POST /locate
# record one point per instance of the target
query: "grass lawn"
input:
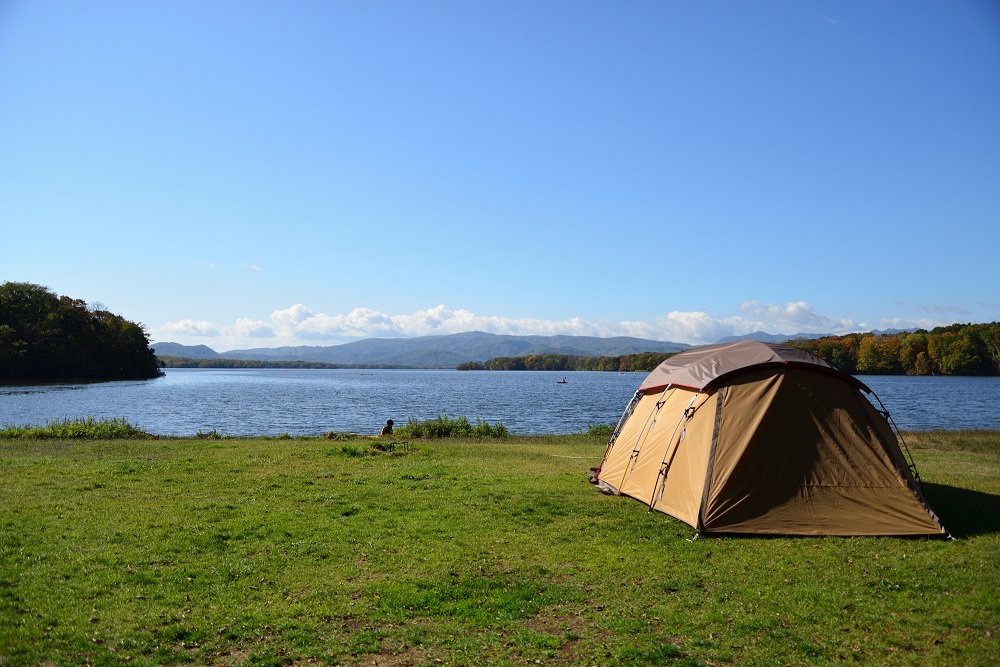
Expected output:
(462, 552)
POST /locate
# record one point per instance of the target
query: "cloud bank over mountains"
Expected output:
(298, 325)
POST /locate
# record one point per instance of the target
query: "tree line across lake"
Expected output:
(167, 361)
(45, 336)
(958, 349)
(645, 361)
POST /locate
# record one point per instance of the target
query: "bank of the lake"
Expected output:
(311, 402)
(271, 552)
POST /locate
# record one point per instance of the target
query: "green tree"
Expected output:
(46, 336)
(506, 364)
(964, 356)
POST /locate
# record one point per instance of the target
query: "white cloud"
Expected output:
(905, 323)
(359, 323)
(285, 321)
(301, 322)
(191, 328)
(299, 325)
(696, 326)
(247, 328)
(790, 318)
(252, 267)
(441, 320)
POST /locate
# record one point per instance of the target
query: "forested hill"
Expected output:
(44, 336)
(432, 351)
(957, 349)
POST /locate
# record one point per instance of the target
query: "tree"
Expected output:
(913, 354)
(46, 336)
(877, 355)
(957, 349)
(831, 350)
(963, 356)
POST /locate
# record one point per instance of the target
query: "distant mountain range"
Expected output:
(782, 338)
(452, 350)
(432, 351)
(769, 338)
(186, 351)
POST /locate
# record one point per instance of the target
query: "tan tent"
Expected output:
(751, 437)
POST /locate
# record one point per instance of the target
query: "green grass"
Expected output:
(475, 552)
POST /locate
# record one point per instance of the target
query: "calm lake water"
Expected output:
(311, 402)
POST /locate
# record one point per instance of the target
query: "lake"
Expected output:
(311, 402)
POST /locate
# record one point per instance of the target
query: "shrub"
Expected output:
(601, 430)
(343, 437)
(442, 427)
(89, 428)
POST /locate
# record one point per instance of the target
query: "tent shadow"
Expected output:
(963, 512)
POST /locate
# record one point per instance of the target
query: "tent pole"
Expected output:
(618, 429)
(899, 436)
(911, 464)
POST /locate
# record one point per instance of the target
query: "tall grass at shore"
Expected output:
(460, 427)
(275, 551)
(87, 427)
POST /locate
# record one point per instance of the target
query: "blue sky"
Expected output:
(254, 174)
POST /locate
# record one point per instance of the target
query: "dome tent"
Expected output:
(758, 438)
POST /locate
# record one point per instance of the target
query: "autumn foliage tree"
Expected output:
(957, 349)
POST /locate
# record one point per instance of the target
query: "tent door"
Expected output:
(661, 477)
(640, 439)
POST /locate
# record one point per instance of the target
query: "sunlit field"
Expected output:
(459, 551)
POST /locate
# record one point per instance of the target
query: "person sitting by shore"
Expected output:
(387, 429)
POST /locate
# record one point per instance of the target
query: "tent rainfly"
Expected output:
(757, 438)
